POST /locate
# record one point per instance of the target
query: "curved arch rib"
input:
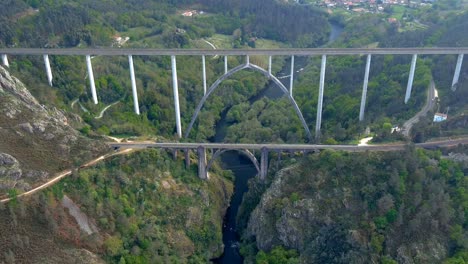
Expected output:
(246, 152)
(256, 68)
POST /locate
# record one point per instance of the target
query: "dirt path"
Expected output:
(212, 45)
(74, 102)
(104, 110)
(364, 141)
(63, 174)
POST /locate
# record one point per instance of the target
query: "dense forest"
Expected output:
(361, 208)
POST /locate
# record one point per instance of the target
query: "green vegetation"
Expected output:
(337, 207)
(147, 208)
(151, 208)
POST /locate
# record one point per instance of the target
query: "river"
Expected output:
(242, 167)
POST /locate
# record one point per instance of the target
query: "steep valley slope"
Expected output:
(334, 207)
(36, 141)
(142, 207)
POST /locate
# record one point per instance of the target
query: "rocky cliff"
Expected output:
(404, 207)
(35, 140)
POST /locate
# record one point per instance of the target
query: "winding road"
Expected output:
(104, 110)
(427, 107)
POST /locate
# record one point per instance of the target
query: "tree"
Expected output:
(113, 245)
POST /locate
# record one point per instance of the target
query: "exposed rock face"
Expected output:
(10, 171)
(320, 211)
(36, 140)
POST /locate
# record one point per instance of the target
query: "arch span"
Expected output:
(256, 68)
(245, 152)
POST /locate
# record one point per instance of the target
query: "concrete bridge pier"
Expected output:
(48, 70)
(320, 97)
(204, 74)
(247, 60)
(176, 95)
(264, 163)
(269, 65)
(456, 75)
(410, 78)
(225, 65)
(187, 158)
(278, 161)
(291, 79)
(91, 78)
(5, 60)
(364, 88)
(174, 154)
(202, 172)
(134, 89)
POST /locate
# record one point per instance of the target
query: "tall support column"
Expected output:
(291, 79)
(202, 173)
(364, 88)
(225, 65)
(264, 163)
(91, 79)
(176, 95)
(456, 75)
(247, 59)
(269, 65)
(187, 158)
(134, 89)
(410, 78)
(5, 60)
(204, 74)
(48, 70)
(320, 97)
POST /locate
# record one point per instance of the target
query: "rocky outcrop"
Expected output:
(356, 208)
(36, 139)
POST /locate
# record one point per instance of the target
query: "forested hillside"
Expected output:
(140, 208)
(334, 207)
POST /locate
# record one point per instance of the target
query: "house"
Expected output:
(439, 117)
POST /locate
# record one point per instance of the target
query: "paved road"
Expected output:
(286, 147)
(308, 52)
(427, 107)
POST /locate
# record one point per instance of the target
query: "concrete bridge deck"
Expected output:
(233, 52)
(288, 147)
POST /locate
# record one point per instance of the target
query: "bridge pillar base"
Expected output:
(264, 163)
(174, 154)
(202, 172)
(5, 60)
